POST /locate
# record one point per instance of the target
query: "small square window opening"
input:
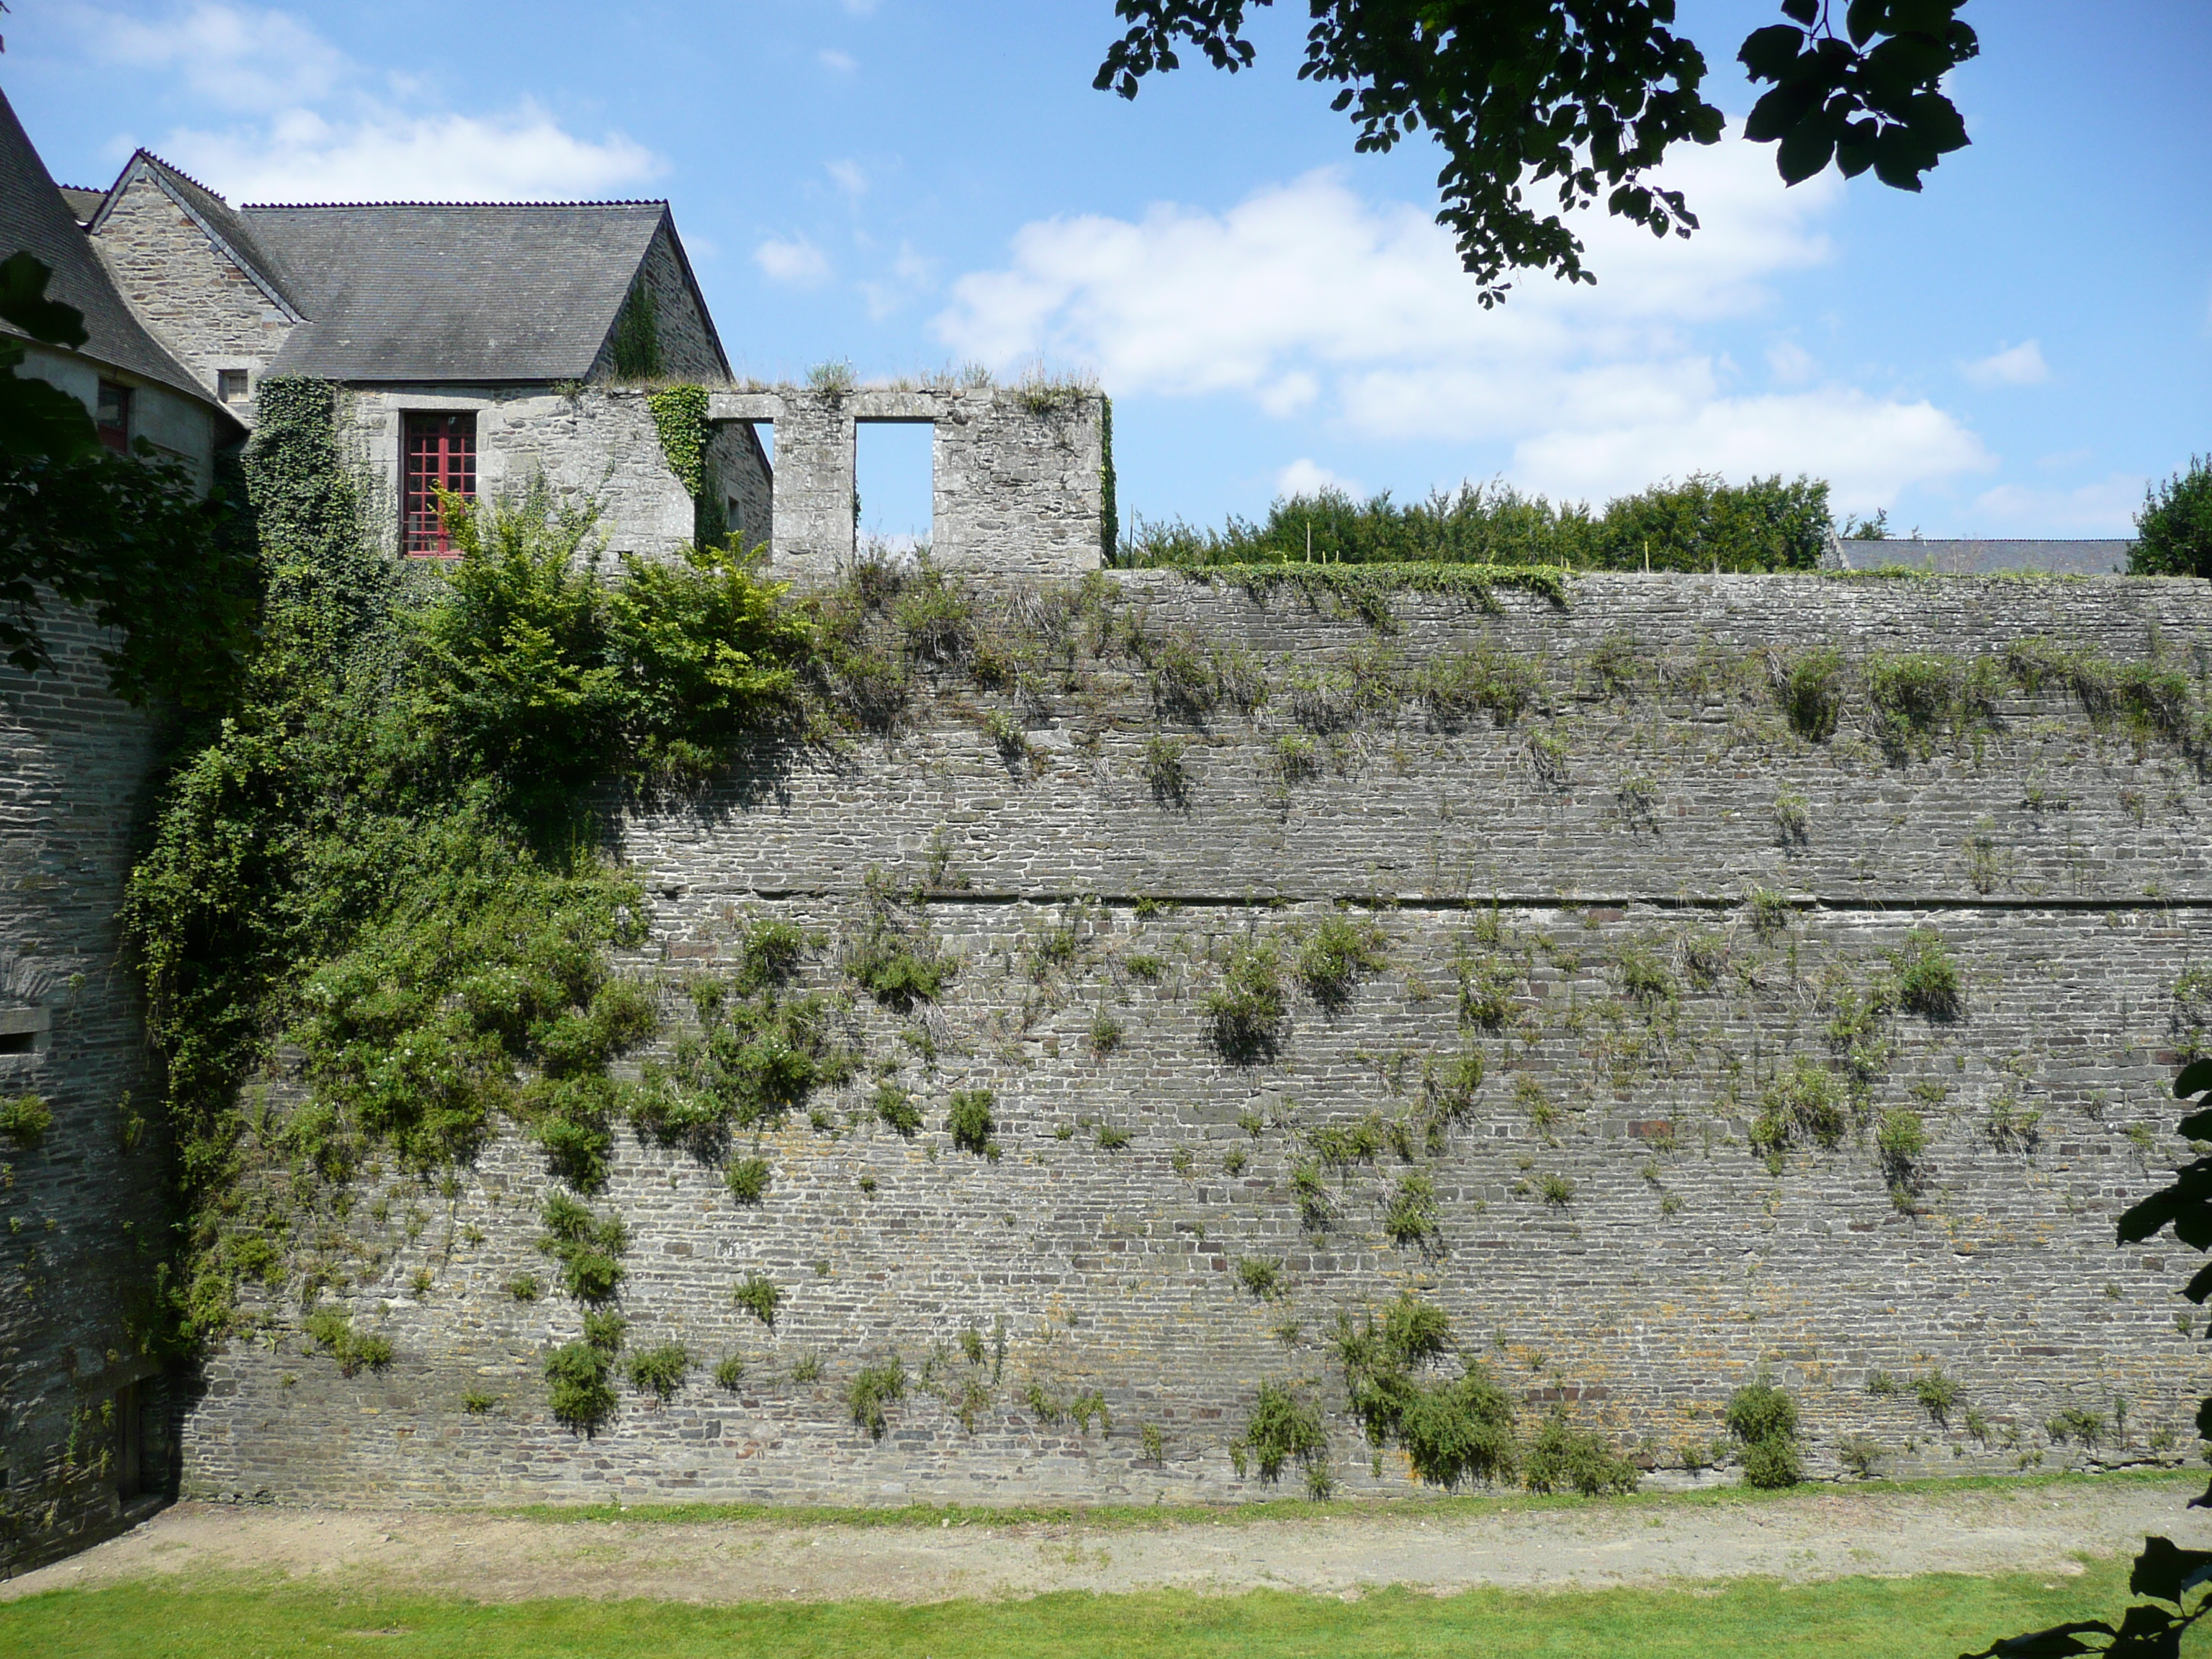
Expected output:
(112, 416)
(230, 385)
(438, 452)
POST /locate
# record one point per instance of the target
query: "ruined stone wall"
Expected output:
(197, 302)
(1574, 893)
(596, 444)
(82, 1212)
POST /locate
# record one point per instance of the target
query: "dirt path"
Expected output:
(1815, 1534)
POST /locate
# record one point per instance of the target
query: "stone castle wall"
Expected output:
(82, 1207)
(1605, 1237)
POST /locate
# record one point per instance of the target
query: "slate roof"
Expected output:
(467, 291)
(83, 202)
(1987, 558)
(34, 218)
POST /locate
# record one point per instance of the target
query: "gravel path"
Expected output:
(1822, 1534)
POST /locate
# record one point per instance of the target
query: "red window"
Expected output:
(113, 417)
(438, 452)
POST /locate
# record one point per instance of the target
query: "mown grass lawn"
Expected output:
(1936, 1614)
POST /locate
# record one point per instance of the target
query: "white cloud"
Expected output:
(848, 177)
(1305, 293)
(1308, 478)
(793, 261)
(1790, 363)
(234, 56)
(837, 62)
(2106, 507)
(313, 125)
(300, 156)
(2019, 365)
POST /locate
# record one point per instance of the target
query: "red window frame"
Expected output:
(112, 416)
(437, 452)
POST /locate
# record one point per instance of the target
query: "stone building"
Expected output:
(468, 333)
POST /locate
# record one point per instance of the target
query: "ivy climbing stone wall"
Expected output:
(1677, 906)
(80, 1179)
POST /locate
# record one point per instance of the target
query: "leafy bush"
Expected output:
(1806, 1099)
(1410, 1219)
(748, 1179)
(25, 1119)
(970, 1122)
(577, 1390)
(1452, 1429)
(1812, 694)
(1262, 1277)
(758, 1057)
(1337, 954)
(1165, 768)
(1644, 978)
(332, 1330)
(1902, 1138)
(729, 1372)
(1698, 524)
(660, 1371)
(1486, 984)
(2173, 531)
(1928, 982)
(874, 1388)
(588, 1248)
(759, 1297)
(1247, 1009)
(1563, 1458)
(1500, 683)
(900, 967)
(1764, 1421)
(896, 1109)
(1939, 1396)
(1282, 1427)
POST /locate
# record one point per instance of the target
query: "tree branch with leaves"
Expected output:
(1583, 99)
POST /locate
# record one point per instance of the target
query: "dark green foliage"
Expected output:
(755, 1059)
(1765, 525)
(577, 1389)
(25, 1119)
(589, 1248)
(1915, 696)
(660, 1371)
(748, 1179)
(1812, 693)
(2174, 532)
(758, 1297)
(635, 348)
(126, 538)
(371, 859)
(1282, 1427)
(769, 954)
(1109, 509)
(970, 1123)
(1764, 1421)
(1247, 1009)
(1450, 1429)
(1563, 1458)
(2077, 1424)
(1166, 771)
(1337, 954)
(1592, 97)
(1486, 984)
(874, 1388)
(1644, 978)
(1316, 1209)
(729, 1372)
(1928, 982)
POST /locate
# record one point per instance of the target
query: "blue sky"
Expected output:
(910, 184)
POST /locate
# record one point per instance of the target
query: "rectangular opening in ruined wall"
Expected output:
(19, 1030)
(894, 486)
(747, 512)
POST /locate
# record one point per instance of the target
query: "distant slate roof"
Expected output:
(1988, 558)
(413, 291)
(35, 219)
(83, 202)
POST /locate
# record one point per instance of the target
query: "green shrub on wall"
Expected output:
(374, 860)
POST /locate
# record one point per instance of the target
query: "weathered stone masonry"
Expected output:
(2065, 865)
